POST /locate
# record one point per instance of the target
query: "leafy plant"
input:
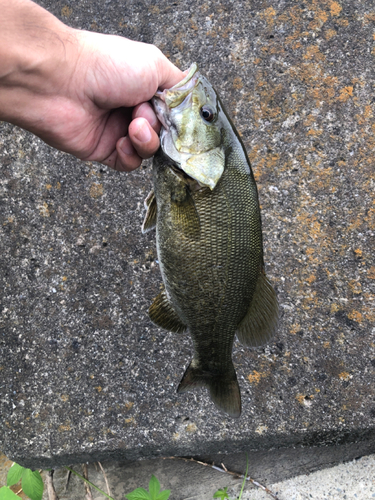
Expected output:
(222, 494)
(7, 494)
(154, 492)
(32, 486)
(31, 482)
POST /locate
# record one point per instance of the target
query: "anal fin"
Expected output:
(260, 322)
(161, 313)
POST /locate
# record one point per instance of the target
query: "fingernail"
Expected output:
(143, 134)
(126, 146)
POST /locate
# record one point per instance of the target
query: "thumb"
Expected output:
(168, 73)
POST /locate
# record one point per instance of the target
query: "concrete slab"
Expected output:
(351, 481)
(190, 481)
(85, 376)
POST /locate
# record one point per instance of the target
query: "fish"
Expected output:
(204, 206)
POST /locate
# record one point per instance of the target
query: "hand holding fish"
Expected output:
(83, 93)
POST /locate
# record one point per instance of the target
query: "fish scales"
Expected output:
(205, 207)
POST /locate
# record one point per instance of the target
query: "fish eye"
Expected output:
(207, 113)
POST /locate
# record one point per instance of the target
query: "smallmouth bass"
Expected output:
(204, 205)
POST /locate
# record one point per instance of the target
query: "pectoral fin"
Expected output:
(185, 217)
(161, 313)
(150, 218)
(260, 322)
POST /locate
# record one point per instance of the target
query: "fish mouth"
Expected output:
(167, 99)
(205, 166)
(174, 96)
(189, 75)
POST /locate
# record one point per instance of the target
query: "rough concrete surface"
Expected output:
(84, 373)
(354, 480)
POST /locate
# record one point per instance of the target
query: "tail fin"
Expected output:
(224, 389)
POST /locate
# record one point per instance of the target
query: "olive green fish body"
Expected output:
(209, 244)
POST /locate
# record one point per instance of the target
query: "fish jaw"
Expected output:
(165, 100)
(194, 146)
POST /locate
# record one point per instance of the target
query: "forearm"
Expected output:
(35, 50)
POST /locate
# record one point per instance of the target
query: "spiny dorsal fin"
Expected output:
(150, 217)
(161, 313)
(224, 389)
(185, 217)
(260, 322)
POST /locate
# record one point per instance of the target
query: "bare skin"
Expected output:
(81, 92)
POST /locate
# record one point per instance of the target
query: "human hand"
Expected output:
(110, 120)
(83, 93)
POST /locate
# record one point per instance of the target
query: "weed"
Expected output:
(31, 481)
(153, 492)
(32, 486)
(223, 495)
